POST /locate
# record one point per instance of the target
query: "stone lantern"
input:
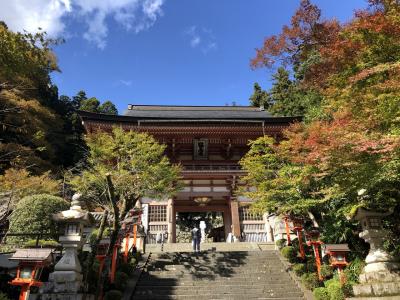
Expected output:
(380, 277)
(66, 280)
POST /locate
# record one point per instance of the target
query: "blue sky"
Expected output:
(191, 52)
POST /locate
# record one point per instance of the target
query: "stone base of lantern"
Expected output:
(379, 284)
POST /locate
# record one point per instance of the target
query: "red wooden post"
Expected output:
(317, 260)
(301, 246)
(287, 230)
(24, 292)
(315, 243)
(134, 234)
(126, 250)
(114, 262)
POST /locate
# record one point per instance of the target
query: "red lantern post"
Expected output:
(101, 253)
(31, 264)
(337, 258)
(314, 241)
(298, 227)
(114, 260)
(287, 227)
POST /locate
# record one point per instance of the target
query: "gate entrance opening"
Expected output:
(213, 222)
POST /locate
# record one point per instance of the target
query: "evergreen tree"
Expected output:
(259, 97)
(78, 99)
(108, 108)
(286, 100)
(91, 105)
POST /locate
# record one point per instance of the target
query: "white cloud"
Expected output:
(125, 82)
(50, 15)
(201, 38)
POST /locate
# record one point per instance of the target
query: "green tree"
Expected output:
(78, 99)
(108, 108)
(259, 97)
(16, 184)
(285, 98)
(33, 214)
(123, 166)
(91, 105)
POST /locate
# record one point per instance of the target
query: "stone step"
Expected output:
(214, 296)
(214, 281)
(217, 275)
(166, 290)
(187, 247)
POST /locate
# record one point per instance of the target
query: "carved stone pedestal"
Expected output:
(380, 278)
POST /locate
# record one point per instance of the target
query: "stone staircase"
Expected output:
(187, 247)
(216, 275)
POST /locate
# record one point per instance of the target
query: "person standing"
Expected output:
(196, 238)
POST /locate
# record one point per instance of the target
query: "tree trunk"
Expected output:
(312, 217)
(93, 254)
(114, 234)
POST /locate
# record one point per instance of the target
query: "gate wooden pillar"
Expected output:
(171, 218)
(235, 217)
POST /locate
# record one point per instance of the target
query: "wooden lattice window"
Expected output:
(157, 213)
(245, 214)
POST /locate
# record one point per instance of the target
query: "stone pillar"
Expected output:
(171, 220)
(235, 218)
(267, 228)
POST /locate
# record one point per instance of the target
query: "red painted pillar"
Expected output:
(114, 263)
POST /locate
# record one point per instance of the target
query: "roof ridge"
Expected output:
(192, 108)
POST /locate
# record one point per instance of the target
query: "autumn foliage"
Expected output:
(351, 140)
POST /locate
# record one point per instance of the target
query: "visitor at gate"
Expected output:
(196, 238)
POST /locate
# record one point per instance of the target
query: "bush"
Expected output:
(353, 270)
(113, 295)
(3, 297)
(121, 280)
(334, 289)
(289, 253)
(127, 268)
(34, 214)
(326, 271)
(310, 280)
(321, 293)
(280, 243)
(42, 243)
(310, 265)
(299, 269)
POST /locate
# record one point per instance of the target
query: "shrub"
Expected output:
(113, 295)
(42, 243)
(280, 243)
(34, 214)
(121, 280)
(299, 269)
(3, 297)
(127, 268)
(289, 253)
(321, 293)
(334, 289)
(310, 265)
(310, 280)
(353, 270)
(326, 271)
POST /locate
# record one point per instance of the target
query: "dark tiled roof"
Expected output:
(34, 254)
(196, 112)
